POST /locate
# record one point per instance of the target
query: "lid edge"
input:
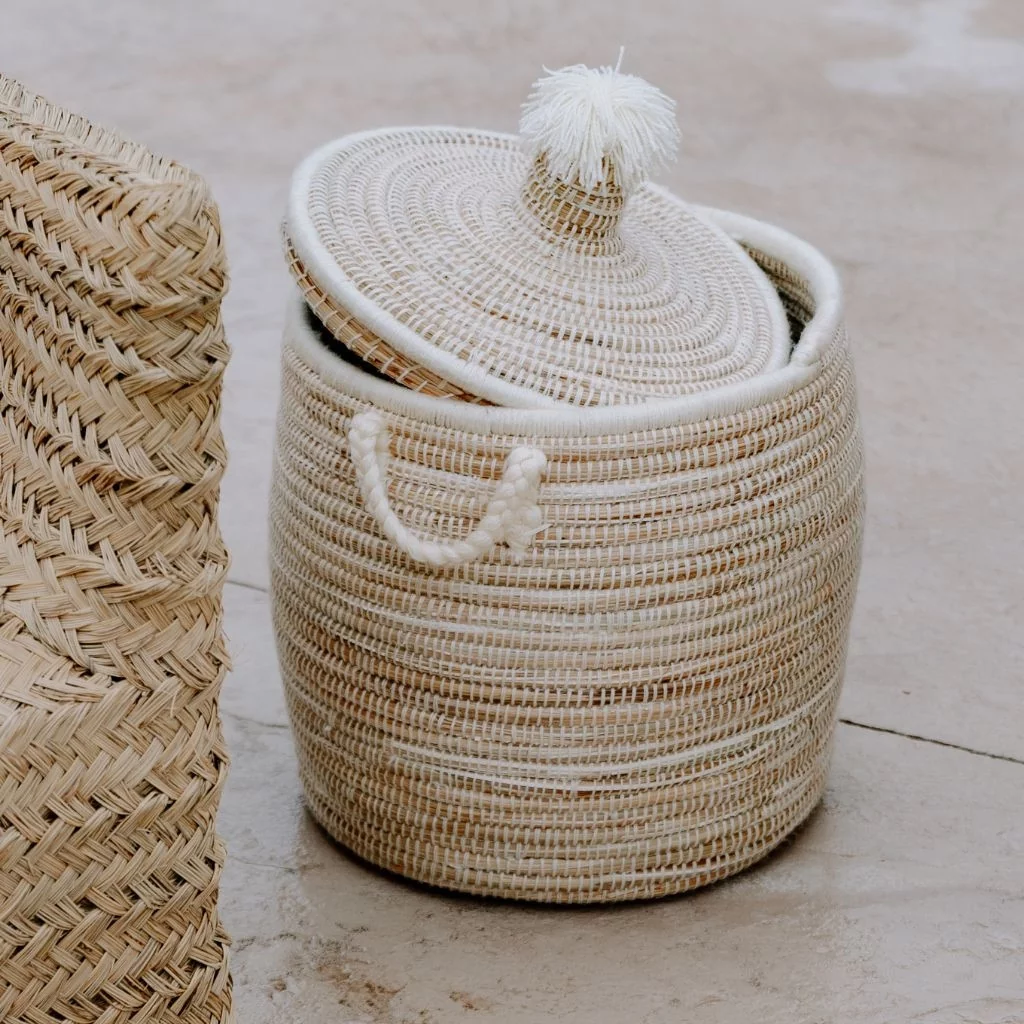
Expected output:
(404, 340)
(321, 266)
(569, 420)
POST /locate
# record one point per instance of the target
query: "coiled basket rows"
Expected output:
(569, 655)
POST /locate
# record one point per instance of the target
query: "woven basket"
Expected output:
(464, 263)
(111, 569)
(566, 654)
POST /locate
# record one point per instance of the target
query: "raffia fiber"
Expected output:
(111, 570)
(639, 703)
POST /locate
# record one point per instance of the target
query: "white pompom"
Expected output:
(584, 119)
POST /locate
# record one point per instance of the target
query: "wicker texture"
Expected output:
(370, 348)
(111, 570)
(457, 265)
(636, 699)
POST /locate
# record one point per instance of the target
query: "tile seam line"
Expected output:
(258, 588)
(933, 742)
(245, 585)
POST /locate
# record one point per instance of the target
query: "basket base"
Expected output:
(440, 869)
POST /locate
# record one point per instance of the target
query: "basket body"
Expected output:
(112, 565)
(628, 689)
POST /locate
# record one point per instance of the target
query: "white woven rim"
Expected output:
(551, 418)
(310, 240)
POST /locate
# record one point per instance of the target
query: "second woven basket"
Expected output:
(550, 652)
(112, 568)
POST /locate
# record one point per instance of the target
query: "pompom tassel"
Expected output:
(590, 122)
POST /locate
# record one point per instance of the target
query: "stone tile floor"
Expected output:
(889, 132)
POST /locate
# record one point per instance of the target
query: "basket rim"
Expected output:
(464, 374)
(553, 419)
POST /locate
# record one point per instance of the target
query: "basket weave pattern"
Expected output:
(111, 570)
(460, 239)
(366, 345)
(639, 703)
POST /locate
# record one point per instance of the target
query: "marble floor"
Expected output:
(891, 134)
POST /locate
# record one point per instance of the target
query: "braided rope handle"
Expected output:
(512, 515)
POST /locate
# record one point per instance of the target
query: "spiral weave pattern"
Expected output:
(639, 702)
(111, 571)
(460, 240)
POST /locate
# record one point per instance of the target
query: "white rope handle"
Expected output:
(512, 514)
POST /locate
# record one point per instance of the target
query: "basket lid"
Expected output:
(531, 269)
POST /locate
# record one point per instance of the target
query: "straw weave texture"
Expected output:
(640, 702)
(111, 570)
(458, 239)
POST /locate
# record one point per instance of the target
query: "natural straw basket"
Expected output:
(112, 654)
(570, 654)
(457, 262)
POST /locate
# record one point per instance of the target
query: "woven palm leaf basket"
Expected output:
(111, 569)
(566, 511)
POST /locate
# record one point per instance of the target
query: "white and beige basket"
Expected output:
(569, 653)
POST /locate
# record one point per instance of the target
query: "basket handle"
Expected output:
(512, 515)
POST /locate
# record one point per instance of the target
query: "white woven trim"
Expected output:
(802, 258)
(465, 376)
(406, 342)
(559, 420)
(782, 343)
